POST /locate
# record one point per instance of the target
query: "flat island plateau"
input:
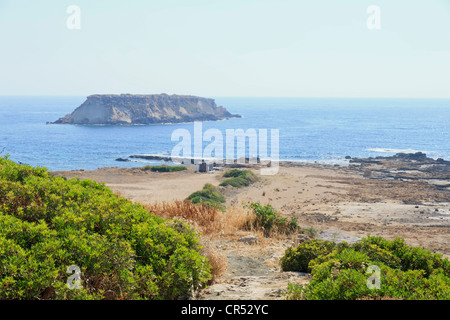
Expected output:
(130, 109)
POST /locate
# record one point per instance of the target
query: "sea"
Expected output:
(310, 130)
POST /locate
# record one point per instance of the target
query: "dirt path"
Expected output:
(253, 272)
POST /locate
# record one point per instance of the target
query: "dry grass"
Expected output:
(236, 218)
(217, 260)
(207, 219)
(214, 224)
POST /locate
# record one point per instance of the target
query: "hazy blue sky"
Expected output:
(226, 48)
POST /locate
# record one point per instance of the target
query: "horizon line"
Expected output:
(229, 96)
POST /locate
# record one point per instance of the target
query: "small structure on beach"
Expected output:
(205, 167)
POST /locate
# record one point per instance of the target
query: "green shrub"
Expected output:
(238, 182)
(164, 168)
(298, 259)
(234, 173)
(238, 178)
(406, 272)
(269, 220)
(408, 257)
(209, 196)
(50, 223)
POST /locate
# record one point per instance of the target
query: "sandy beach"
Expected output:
(340, 202)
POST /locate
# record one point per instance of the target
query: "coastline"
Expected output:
(335, 203)
(412, 205)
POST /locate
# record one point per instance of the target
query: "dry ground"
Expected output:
(338, 201)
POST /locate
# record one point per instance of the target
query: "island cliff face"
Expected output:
(145, 109)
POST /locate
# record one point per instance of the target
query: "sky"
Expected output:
(219, 48)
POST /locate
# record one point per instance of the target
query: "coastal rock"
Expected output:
(131, 109)
(406, 167)
(337, 236)
(418, 156)
(250, 239)
(152, 157)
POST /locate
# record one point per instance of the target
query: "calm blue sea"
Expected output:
(310, 129)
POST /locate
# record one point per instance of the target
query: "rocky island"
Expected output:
(130, 109)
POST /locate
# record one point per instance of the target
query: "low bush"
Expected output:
(50, 223)
(238, 178)
(210, 196)
(164, 168)
(342, 271)
(298, 259)
(406, 257)
(269, 220)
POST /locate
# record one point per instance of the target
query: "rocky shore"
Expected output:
(399, 167)
(406, 167)
(242, 162)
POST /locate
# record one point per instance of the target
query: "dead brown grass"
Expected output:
(217, 260)
(237, 218)
(214, 224)
(207, 219)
